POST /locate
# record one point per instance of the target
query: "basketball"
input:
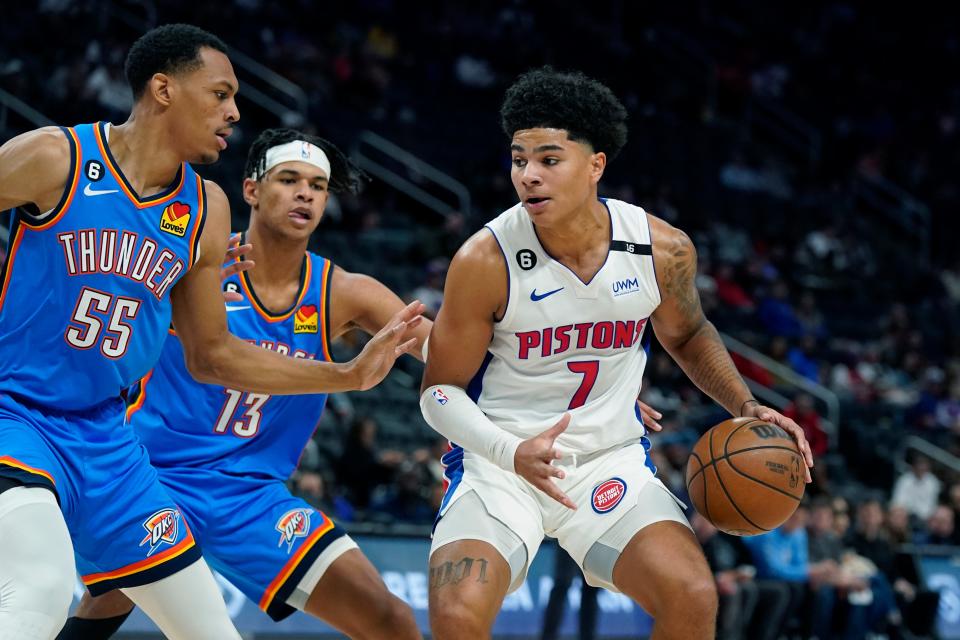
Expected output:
(746, 476)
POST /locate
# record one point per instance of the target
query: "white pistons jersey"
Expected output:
(565, 345)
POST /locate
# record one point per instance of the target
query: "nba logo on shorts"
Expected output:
(608, 494)
(440, 397)
(292, 525)
(161, 529)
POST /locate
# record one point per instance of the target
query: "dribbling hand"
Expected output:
(796, 432)
(533, 462)
(391, 342)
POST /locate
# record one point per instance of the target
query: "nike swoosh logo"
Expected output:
(229, 309)
(87, 191)
(537, 297)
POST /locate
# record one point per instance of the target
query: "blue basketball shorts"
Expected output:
(126, 529)
(254, 532)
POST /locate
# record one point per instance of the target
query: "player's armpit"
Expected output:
(475, 293)
(34, 168)
(358, 300)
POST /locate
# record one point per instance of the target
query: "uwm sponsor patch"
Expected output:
(608, 494)
(306, 319)
(162, 528)
(175, 218)
(292, 525)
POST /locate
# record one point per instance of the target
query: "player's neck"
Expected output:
(278, 260)
(582, 233)
(143, 155)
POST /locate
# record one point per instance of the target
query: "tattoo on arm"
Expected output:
(711, 368)
(679, 279)
(451, 573)
(702, 354)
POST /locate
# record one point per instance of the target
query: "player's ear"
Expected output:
(251, 192)
(160, 87)
(598, 162)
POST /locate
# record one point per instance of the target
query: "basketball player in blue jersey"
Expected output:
(113, 236)
(224, 455)
(535, 359)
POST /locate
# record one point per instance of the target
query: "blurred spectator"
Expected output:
(362, 467)
(749, 609)
(565, 569)
(917, 490)
(803, 412)
(940, 527)
(782, 555)
(803, 360)
(430, 293)
(777, 314)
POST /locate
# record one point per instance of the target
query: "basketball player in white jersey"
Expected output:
(536, 358)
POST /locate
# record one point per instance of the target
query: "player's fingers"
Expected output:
(235, 268)
(409, 312)
(648, 410)
(239, 250)
(406, 347)
(232, 296)
(549, 488)
(414, 322)
(558, 428)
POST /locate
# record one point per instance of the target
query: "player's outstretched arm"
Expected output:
(34, 168)
(215, 356)
(692, 340)
(475, 294)
(365, 303)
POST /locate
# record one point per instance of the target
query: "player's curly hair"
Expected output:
(171, 49)
(347, 177)
(584, 107)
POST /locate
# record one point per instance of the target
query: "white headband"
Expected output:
(296, 150)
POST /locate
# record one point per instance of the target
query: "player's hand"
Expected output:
(650, 416)
(533, 462)
(391, 342)
(234, 265)
(796, 432)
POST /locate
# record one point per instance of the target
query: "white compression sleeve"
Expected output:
(37, 570)
(186, 605)
(451, 412)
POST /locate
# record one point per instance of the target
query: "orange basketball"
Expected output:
(746, 476)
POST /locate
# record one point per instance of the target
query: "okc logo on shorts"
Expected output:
(162, 528)
(440, 397)
(608, 494)
(292, 525)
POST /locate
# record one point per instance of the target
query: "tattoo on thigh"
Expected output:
(456, 572)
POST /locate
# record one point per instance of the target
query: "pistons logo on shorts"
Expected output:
(292, 525)
(162, 528)
(608, 494)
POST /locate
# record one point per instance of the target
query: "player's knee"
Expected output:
(455, 619)
(49, 588)
(394, 619)
(699, 594)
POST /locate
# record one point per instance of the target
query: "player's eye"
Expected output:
(551, 161)
(319, 186)
(222, 95)
(519, 163)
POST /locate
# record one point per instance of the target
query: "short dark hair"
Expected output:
(347, 177)
(172, 48)
(584, 107)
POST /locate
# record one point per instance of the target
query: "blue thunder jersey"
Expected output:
(85, 296)
(187, 424)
